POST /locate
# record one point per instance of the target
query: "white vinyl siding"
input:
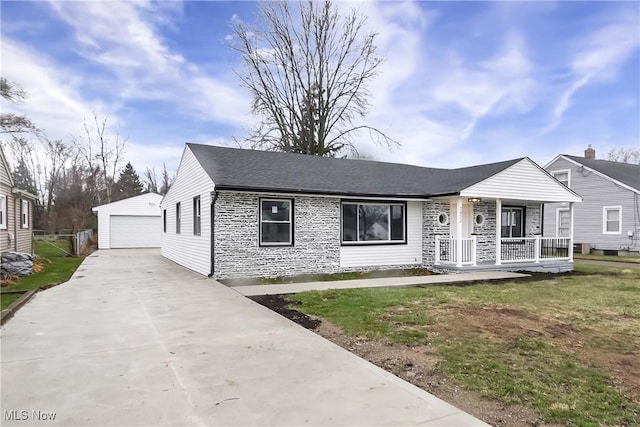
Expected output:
(389, 255)
(597, 192)
(521, 181)
(612, 220)
(144, 205)
(187, 249)
(135, 231)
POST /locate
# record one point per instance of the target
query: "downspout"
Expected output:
(212, 227)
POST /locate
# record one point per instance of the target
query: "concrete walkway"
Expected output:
(135, 340)
(292, 288)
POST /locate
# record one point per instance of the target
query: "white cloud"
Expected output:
(598, 59)
(122, 37)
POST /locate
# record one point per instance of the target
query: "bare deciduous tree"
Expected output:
(625, 155)
(101, 154)
(151, 180)
(11, 123)
(308, 70)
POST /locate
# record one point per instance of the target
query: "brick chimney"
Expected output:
(589, 153)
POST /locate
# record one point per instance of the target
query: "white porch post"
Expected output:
(537, 248)
(459, 232)
(437, 254)
(570, 249)
(498, 231)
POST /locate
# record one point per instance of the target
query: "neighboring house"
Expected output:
(130, 223)
(16, 213)
(608, 220)
(245, 213)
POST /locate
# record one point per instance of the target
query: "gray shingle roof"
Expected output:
(625, 173)
(239, 169)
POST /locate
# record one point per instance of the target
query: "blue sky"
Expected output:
(463, 82)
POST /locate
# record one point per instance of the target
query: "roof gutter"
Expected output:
(212, 226)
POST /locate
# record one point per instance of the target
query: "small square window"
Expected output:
(562, 176)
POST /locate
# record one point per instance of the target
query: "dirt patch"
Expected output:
(617, 356)
(279, 305)
(418, 365)
(415, 364)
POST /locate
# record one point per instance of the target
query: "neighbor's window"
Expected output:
(196, 216)
(612, 220)
(564, 223)
(3, 211)
(178, 218)
(276, 222)
(25, 214)
(512, 222)
(562, 176)
(373, 222)
(164, 220)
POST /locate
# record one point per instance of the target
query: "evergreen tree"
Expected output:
(22, 177)
(128, 184)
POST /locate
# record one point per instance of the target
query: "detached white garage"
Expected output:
(130, 223)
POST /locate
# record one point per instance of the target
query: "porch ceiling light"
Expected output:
(475, 200)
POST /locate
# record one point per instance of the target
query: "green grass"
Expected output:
(57, 269)
(631, 259)
(599, 309)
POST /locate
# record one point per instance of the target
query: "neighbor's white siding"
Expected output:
(143, 205)
(389, 255)
(187, 249)
(521, 181)
(596, 192)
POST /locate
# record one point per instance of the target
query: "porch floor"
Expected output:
(551, 266)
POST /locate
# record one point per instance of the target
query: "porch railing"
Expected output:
(447, 251)
(513, 249)
(534, 249)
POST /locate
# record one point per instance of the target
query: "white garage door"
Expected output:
(135, 231)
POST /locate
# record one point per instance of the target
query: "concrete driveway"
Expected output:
(136, 340)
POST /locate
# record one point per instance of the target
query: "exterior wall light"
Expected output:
(475, 200)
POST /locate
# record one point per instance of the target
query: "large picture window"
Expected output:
(373, 223)
(512, 222)
(612, 220)
(276, 222)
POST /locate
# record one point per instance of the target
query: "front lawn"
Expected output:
(57, 268)
(612, 258)
(563, 347)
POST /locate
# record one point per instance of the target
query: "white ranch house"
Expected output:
(245, 213)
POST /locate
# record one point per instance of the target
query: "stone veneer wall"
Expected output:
(485, 233)
(431, 228)
(238, 254)
(532, 219)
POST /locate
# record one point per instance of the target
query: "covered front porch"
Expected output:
(501, 234)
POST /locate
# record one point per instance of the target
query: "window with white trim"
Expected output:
(178, 218)
(612, 220)
(25, 214)
(373, 223)
(196, 216)
(564, 223)
(512, 222)
(563, 176)
(164, 220)
(276, 222)
(3, 211)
